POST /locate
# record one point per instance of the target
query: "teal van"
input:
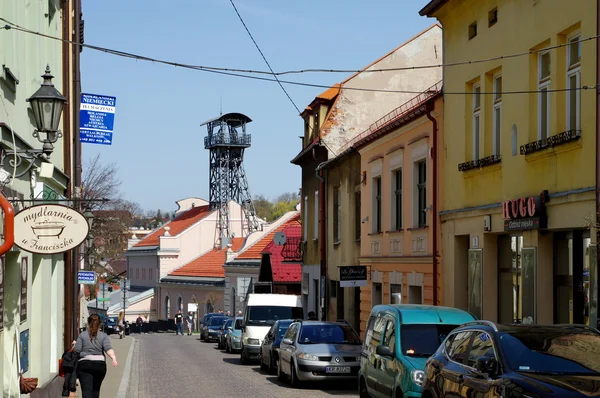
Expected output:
(398, 340)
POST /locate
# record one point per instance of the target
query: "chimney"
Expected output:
(229, 254)
(167, 231)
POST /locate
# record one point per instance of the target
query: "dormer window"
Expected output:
(316, 123)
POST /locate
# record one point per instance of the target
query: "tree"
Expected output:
(262, 206)
(271, 211)
(99, 182)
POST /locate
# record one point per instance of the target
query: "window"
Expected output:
(497, 116)
(573, 83)
(459, 348)
(476, 120)
(316, 124)
(398, 199)
(150, 274)
(377, 205)
(316, 220)
(481, 347)
(472, 30)
(390, 336)
(357, 219)
(422, 193)
(137, 273)
(395, 293)
(305, 226)
(143, 273)
(492, 17)
(337, 215)
(543, 95)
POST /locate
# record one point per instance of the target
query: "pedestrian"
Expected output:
(179, 323)
(190, 322)
(240, 313)
(228, 313)
(312, 316)
(91, 346)
(121, 324)
(220, 311)
(139, 323)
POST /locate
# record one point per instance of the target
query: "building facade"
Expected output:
(519, 155)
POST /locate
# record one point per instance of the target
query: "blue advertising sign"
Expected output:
(96, 118)
(86, 277)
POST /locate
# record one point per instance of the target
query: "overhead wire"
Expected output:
(240, 72)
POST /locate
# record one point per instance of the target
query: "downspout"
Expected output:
(434, 205)
(322, 238)
(68, 258)
(597, 155)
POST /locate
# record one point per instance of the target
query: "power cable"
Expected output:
(231, 72)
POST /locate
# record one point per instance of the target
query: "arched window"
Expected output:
(180, 303)
(233, 301)
(167, 307)
(209, 307)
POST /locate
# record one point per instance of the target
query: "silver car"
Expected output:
(314, 350)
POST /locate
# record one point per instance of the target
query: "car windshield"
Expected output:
(267, 314)
(282, 328)
(217, 321)
(552, 351)
(228, 323)
(238, 323)
(423, 340)
(328, 334)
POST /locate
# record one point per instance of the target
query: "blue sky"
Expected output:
(158, 142)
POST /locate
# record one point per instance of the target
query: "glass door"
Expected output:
(510, 280)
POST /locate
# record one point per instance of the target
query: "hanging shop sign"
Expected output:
(525, 213)
(50, 229)
(352, 276)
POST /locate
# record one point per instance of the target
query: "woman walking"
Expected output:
(121, 324)
(91, 368)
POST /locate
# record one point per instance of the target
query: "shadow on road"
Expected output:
(328, 387)
(233, 360)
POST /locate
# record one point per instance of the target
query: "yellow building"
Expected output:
(519, 155)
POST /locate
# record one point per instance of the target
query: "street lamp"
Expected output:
(47, 104)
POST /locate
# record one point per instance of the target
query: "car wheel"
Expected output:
(280, 374)
(272, 364)
(228, 348)
(201, 336)
(399, 393)
(263, 365)
(243, 357)
(294, 382)
(362, 389)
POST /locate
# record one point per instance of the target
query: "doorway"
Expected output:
(572, 277)
(510, 279)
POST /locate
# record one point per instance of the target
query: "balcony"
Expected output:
(227, 139)
(478, 164)
(550, 142)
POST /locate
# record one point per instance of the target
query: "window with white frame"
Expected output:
(573, 83)
(376, 216)
(316, 220)
(476, 120)
(544, 95)
(397, 198)
(421, 172)
(337, 214)
(357, 213)
(305, 211)
(497, 115)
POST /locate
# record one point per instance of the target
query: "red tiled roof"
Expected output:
(209, 264)
(255, 251)
(178, 225)
(283, 271)
(330, 93)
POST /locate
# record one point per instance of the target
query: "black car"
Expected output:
(210, 330)
(268, 350)
(223, 330)
(482, 359)
(205, 320)
(110, 325)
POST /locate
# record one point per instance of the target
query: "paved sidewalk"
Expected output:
(117, 379)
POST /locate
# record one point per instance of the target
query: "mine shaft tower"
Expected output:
(227, 139)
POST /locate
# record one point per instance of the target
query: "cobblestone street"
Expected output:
(165, 365)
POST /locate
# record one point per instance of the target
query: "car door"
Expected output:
(265, 349)
(287, 350)
(388, 366)
(476, 383)
(374, 374)
(452, 375)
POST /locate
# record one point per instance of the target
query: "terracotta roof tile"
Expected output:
(210, 264)
(177, 226)
(284, 271)
(254, 252)
(330, 93)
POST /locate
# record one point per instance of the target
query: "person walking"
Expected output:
(190, 322)
(179, 323)
(121, 324)
(91, 345)
(139, 323)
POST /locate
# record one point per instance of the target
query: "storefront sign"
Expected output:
(525, 213)
(352, 276)
(24, 289)
(49, 229)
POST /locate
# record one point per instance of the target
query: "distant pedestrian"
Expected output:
(240, 313)
(121, 324)
(190, 322)
(139, 322)
(179, 323)
(312, 316)
(220, 311)
(228, 313)
(91, 368)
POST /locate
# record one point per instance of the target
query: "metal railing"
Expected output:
(396, 113)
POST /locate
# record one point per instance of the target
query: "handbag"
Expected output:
(26, 384)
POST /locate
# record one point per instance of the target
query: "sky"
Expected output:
(158, 144)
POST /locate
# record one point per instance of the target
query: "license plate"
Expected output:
(337, 369)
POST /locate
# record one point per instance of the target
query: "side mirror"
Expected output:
(384, 351)
(229, 328)
(486, 365)
(287, 341)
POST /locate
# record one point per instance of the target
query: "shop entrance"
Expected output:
(572, 277)
(510, 279)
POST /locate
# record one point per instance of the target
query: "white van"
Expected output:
(261, 312)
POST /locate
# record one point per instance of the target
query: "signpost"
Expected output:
(86, 277)
(97, 118)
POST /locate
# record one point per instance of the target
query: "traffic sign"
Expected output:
(97, 118)
(86, 277)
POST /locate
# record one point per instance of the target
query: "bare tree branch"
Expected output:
(100, 182)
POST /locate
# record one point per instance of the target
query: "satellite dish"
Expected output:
(279, 239)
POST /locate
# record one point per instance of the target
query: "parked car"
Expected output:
(484, 359)
(398, 340)
(269, 354)
(204, 320)
(234, 337)
(315, 350)
(223, 330)
(110, 325)
(210, 330)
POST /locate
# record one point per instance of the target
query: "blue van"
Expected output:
(398, 340)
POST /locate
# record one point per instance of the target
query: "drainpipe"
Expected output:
(322, 239)
(434, 205)
(597, 148)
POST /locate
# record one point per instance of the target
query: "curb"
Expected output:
(122, 393)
